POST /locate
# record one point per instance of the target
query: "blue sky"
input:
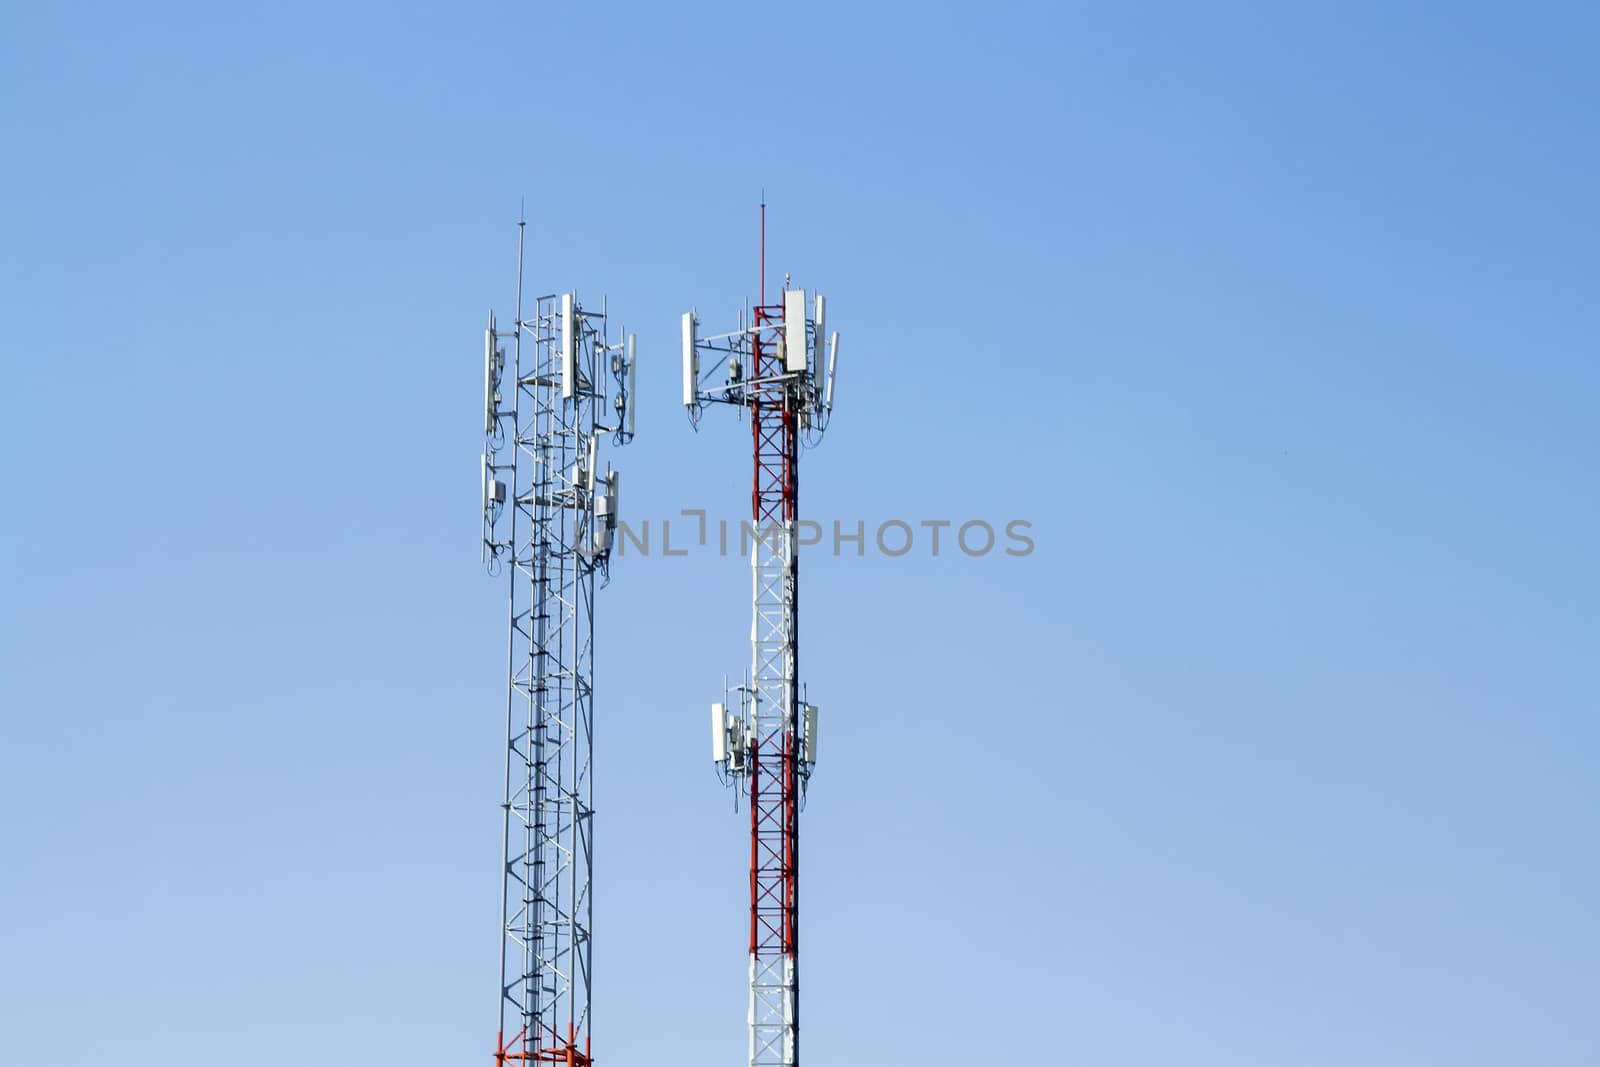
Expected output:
(1277, 321)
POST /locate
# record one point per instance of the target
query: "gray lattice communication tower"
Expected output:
(549, 519)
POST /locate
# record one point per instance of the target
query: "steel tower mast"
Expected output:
(549, 518)
(766, 745)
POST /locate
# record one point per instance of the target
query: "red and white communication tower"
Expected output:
(764, 741)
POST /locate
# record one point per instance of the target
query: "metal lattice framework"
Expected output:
(772, 368)
(557, 526)
(774, 769)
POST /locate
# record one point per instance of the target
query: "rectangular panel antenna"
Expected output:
(488, 377)
(632, 402)
(691, 360)
(569, 347)
(794, 329)
(818, 335)
(719, 734)
(833, 362)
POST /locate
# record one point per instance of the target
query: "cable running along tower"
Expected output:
(549, 519)
(764, 734)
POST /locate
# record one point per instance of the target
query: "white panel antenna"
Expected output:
(808, 736)
(494, 490)
(569, 347)
(491, 377)
(691, 360)
(833, 362)
(794, 329)
(719, 734)
(605, 515)
(818, 317)
(632, 395)
(583, 475)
